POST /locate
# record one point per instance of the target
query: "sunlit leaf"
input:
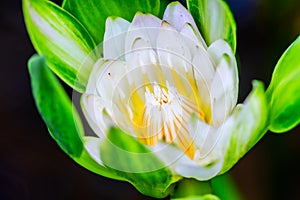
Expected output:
(61, 39)
(283, 92)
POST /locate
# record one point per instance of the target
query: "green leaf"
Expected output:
(132, 160)
(245, 127)
(55, 107)
(62, 39)
(60, 116)
(283, 92)
(93, 13)
(215, 20)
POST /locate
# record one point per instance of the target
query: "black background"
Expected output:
(33, 167)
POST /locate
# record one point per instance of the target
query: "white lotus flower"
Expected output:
(159, 82)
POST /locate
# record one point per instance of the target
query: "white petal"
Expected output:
(200, 58)
(177, 15)
(203, 74)
(92, 146)
(205, 138)
(174, 54)
(94, 108)
(91, 87)
(223, 91)
(189, 32)
(199, 172)
(203, 66)
(224, 87)
(182, 165)
(143, 69)
(145, 26)
(217, 49)
(108, 77)
(114, 38)
(142, 55)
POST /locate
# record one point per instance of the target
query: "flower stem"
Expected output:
(191, 187)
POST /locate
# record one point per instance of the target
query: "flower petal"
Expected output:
(94, 108)
(177, 15)
(143, 26)
(203, 69)
(174, 57)
(142, 66)
(141, 55)
(107, 79)
(106, 91)
(217, 49)
(92, 146)
(224, 86)
(182, 165)
(205, 137)
(114, 38)
(223, 91)
(189, 32)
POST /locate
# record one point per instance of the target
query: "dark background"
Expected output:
(33, 167)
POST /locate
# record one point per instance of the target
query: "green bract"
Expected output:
(160, 96)
(64, 125)
(250, 119)
(215, 20)
(93, 13)
(59, 36)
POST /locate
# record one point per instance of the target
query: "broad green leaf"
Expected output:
(62, 40)
(215, 20)
(283, 92)
(55, 107)
(93, 13)
(132, 160)
(247, 124)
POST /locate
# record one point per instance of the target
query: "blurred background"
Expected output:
(33, 167)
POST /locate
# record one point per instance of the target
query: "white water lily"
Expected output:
(161, 83)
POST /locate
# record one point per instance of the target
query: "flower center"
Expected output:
(165, 116)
